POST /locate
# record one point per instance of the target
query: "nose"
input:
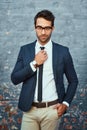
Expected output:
(43, 31)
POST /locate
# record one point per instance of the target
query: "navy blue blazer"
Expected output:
(62, 64)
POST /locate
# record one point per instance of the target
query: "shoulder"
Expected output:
(27, 48)
(28, 45)
(60, 47)
(62, 51)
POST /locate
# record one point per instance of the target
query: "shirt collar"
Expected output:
(47, 46)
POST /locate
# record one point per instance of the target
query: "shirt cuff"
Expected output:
(32, 67)
(66, 103)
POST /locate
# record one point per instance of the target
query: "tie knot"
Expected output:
(42, 48)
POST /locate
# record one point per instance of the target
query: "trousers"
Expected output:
(40, 119)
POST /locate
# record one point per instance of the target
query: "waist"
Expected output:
(45, 104)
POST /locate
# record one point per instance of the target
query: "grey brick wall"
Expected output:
(16, 29)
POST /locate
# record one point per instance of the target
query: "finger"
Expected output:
(42, 51)
(60, 111)
(56, 106)
(45, 53)
(60, 114)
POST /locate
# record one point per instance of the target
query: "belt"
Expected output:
(44, 104)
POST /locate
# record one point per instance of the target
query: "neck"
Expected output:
(43, 43)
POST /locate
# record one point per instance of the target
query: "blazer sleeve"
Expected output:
(21, 72)
(71, 77)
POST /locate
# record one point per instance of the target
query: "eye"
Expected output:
(48, 28)
(40, 28)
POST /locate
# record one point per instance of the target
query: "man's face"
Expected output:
(43, 30)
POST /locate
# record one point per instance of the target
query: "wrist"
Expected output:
(34, 63)
(66, 103)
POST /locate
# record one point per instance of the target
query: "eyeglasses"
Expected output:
(40, 28)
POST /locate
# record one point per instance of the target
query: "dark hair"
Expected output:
(46, 14)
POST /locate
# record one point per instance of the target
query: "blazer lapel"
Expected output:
(54, 59)
(32, 50)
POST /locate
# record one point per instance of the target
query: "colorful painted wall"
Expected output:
(17, 29)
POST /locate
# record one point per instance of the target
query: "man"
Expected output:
(43, 63)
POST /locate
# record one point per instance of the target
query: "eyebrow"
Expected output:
(43, 27)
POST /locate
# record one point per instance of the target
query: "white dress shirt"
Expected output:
(49, 92)
(49, 89)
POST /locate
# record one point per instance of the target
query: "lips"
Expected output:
(43, 37)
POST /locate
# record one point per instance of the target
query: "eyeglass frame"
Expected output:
(46, 28)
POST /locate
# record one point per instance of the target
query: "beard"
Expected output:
(43, 39)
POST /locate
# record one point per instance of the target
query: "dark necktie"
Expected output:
(40, 74)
